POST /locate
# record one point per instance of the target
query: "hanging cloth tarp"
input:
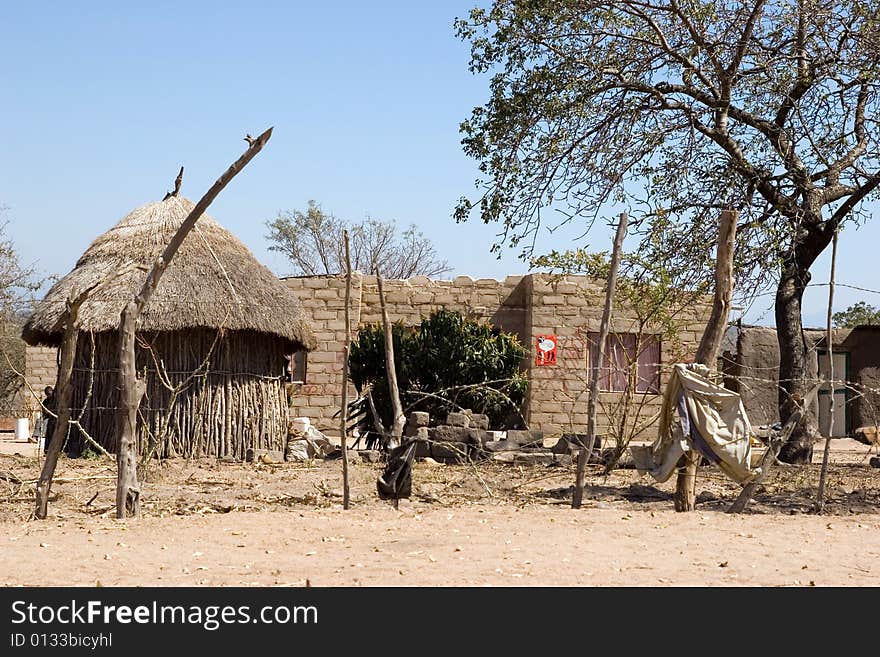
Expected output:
(698, 414)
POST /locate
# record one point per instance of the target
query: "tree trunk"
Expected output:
(794, 379)
(132, 390)
(707, 353)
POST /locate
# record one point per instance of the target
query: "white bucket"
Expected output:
(22, 429)
(301, 424)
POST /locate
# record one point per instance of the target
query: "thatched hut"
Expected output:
(211, 344)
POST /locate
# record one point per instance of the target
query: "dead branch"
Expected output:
(399, 418)
(343, 431)
(177, 182)
(829, 338)
(586, 450)
(131, 388)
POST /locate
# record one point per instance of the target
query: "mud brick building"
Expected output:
(751, 361)
(532, 306)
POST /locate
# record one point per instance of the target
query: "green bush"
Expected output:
(446, 363)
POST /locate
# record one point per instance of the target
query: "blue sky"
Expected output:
(101, 103)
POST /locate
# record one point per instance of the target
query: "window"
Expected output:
(627, 356)
(295, 367)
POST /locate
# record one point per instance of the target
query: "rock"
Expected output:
(480, 421)
(370, 455)
(337, 454)
(429, 461)
(867, 435)
(497, 446)
(564, 460)
(415, 432)
(533, 458)
(480, 437)
(504, 457)
(263, 455)
(297, 450)
(418, 419)
(449, 451)
(525, 438)
(423, 449)
(625, 462)
(457, 420)
(450, 434)
(875, 462)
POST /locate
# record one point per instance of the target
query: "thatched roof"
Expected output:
(213, 281)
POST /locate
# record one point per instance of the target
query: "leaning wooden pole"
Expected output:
(63, 394)
(343, 424)
(131, 388)
(829, 342)
(396, 407)
(595, 371)
(707, 353)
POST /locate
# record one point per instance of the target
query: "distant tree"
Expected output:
(17, 285)
(857, 314)
(312, 240)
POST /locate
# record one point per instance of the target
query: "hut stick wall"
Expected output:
(236, 401)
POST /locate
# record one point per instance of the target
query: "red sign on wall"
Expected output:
(545, 350)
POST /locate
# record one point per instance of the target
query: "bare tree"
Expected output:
(313, 242)
(17, 285)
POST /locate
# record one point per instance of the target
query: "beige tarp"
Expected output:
(697, 414)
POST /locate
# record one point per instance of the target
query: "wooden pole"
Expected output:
(63, 393)
(131, 388)
(343, 429)
(397, 408)
(829, 340)
(710, 343)
(585, 452)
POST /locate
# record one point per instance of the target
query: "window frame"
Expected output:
(618, 343)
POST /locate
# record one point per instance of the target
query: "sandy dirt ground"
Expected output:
(206, 523)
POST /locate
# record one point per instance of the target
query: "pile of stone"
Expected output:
(466, 436)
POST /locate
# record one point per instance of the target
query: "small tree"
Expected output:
(313, 242)
(446, 363)
(857, 314)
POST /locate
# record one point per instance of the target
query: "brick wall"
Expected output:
(571, 308)
(504, 303)
(529, 306)
(41, 370)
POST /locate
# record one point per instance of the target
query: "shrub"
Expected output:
(446, 363)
